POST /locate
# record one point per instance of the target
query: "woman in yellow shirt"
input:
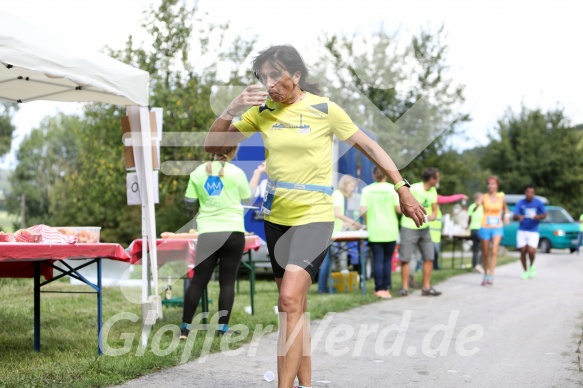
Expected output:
(492, 230)
(297, 126)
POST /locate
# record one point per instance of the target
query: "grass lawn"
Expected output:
(7, 221)
(68, 355)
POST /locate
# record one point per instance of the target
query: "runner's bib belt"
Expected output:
(272, 185)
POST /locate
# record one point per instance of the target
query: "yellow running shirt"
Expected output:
(298, 149)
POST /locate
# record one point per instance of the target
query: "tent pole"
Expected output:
(148, 199)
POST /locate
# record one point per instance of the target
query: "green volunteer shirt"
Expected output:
(477, 215)
(338, 200)
(426, 198)
(436, 226)
(581, 222)
(380, 200)
(219, 197)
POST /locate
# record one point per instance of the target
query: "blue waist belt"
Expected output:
(328, 190)
(272, 185)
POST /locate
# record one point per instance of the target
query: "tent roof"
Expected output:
(37, 65)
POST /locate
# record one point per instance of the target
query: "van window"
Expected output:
(558, 216)
(512, 199)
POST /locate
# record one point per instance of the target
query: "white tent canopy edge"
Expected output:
(38, 65)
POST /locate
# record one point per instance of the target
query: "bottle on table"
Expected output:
(168, 294)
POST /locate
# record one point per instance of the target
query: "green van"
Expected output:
(558, 230)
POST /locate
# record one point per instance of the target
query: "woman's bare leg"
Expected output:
(485, 253)
(292, 358)
(495, 245)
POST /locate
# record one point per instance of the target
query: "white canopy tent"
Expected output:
(36, 65)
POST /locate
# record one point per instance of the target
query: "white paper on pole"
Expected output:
(133, 188)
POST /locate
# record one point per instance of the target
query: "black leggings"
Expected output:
(476, 249)
(210, 247)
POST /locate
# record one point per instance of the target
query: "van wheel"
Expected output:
(544, 245)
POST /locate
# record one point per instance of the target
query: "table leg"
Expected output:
(36, 265)
(462, 252)
(99, 308)
(252, 282)
(453, 253)
(331, 259)
(205, 304)
(149, 281)
(362, 266)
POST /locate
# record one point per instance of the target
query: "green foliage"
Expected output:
(95, 192)
(541, 148)
(412, 89)
(183, 91)
(48, 154)
(7, 111)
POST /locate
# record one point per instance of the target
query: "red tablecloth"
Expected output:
(16, 258)
(168, 250)
(171, 249)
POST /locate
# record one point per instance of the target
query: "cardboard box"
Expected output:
(345, 282)
(128, 152)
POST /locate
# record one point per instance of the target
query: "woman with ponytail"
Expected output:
(217, 187)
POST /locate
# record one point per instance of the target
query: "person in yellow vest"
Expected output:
(436, 226)
(476, 213)
(496, 215)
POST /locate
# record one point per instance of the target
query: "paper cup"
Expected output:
(269, 376)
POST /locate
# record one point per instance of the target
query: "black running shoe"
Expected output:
(430, 292)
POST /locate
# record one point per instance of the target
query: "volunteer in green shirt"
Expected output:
(475, 213)
(413, 236)
(379, 205)
(436, 226)
(580, 233)
(217, 187)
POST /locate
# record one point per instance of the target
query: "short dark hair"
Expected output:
(378, 174)
(529, 186)
(429, 173)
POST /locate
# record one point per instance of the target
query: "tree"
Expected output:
(95, 193)
(7, 111)
(540, 148)
(376, 81)
(46, 155)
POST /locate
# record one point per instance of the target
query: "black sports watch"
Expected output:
(404, 182)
